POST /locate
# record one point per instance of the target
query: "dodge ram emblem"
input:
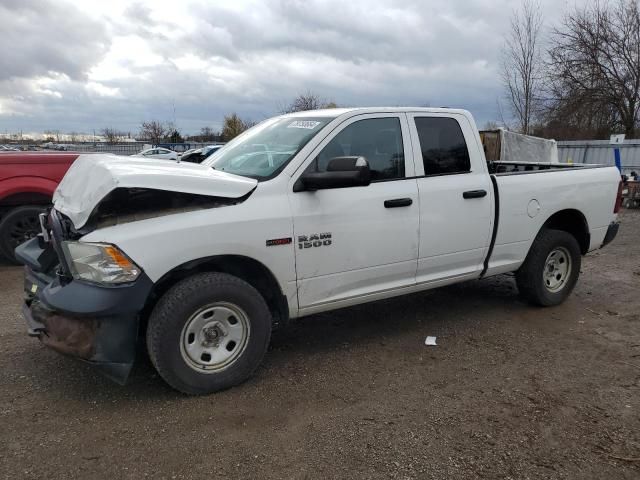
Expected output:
(314, 240)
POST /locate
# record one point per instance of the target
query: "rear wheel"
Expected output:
(551, 269)
(209, 332)
(16, 227)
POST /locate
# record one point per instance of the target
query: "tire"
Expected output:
(541, 279)
(16, 227)
(180, 335)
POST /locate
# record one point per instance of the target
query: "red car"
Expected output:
(27, 183)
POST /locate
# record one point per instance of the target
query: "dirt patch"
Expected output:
(511, 391)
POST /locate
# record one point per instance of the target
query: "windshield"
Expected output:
(264, 150)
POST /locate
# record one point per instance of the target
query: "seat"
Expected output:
(388, 161)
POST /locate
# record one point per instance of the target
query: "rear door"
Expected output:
(164, 153)
(456, 198)
(352, 242)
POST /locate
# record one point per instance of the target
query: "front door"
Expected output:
(348, 243)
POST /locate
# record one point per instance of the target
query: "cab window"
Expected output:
(379, 140)
(444, 150)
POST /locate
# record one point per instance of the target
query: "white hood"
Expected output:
(92, 177)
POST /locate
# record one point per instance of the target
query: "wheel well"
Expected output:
(25, 198)
(248, 269)
(573, 222)
(22, 199)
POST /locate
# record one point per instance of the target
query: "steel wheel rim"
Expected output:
(214, 337)
(557, 269)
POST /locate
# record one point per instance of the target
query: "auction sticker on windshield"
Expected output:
(303, 124)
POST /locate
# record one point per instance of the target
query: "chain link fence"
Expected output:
(129, 148)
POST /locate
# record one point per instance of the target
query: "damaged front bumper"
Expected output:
(97, 324)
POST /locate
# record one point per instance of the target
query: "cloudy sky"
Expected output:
(86, 64)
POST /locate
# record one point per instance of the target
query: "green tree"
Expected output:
(175, 137)
(234, 126)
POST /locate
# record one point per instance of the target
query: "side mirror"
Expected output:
(341, 172)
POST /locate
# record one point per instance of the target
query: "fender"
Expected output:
(26, 184)
(248, 269)
(569, 220)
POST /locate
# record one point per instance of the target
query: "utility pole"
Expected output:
(173, 103)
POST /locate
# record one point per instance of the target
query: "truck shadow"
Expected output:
(449, 309)
(452, 308)
(451, 305)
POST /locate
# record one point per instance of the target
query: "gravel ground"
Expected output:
(511, 391)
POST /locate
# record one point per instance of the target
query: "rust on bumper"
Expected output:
(107, 343)
(67, 335)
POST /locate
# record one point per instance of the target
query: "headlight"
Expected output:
(100, 263)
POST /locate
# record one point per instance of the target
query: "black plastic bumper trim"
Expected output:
(97, 324)
(612, 231)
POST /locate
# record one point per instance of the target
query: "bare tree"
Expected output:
(572, 115)
(522, 66)
(595, 64)
(49, 135)
(153, 130)
(208, 134)
(73, 137)
(234, 126)
(491, 125)
(110, 134)
(307, 101)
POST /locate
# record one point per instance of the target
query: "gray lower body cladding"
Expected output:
(96, 324)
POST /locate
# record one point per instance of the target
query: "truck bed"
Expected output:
(515, 168)
(525, 203)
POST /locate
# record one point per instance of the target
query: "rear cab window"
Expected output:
(442, 145)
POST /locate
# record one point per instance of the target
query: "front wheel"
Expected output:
(551, 268)
(18, 226)
(208, 333)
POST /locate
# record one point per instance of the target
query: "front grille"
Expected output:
(58, 235)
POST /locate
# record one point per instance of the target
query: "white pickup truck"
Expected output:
(303, 213)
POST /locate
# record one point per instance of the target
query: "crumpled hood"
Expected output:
(94, 176)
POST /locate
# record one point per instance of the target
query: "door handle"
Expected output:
(397, 202)
(474, 194)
